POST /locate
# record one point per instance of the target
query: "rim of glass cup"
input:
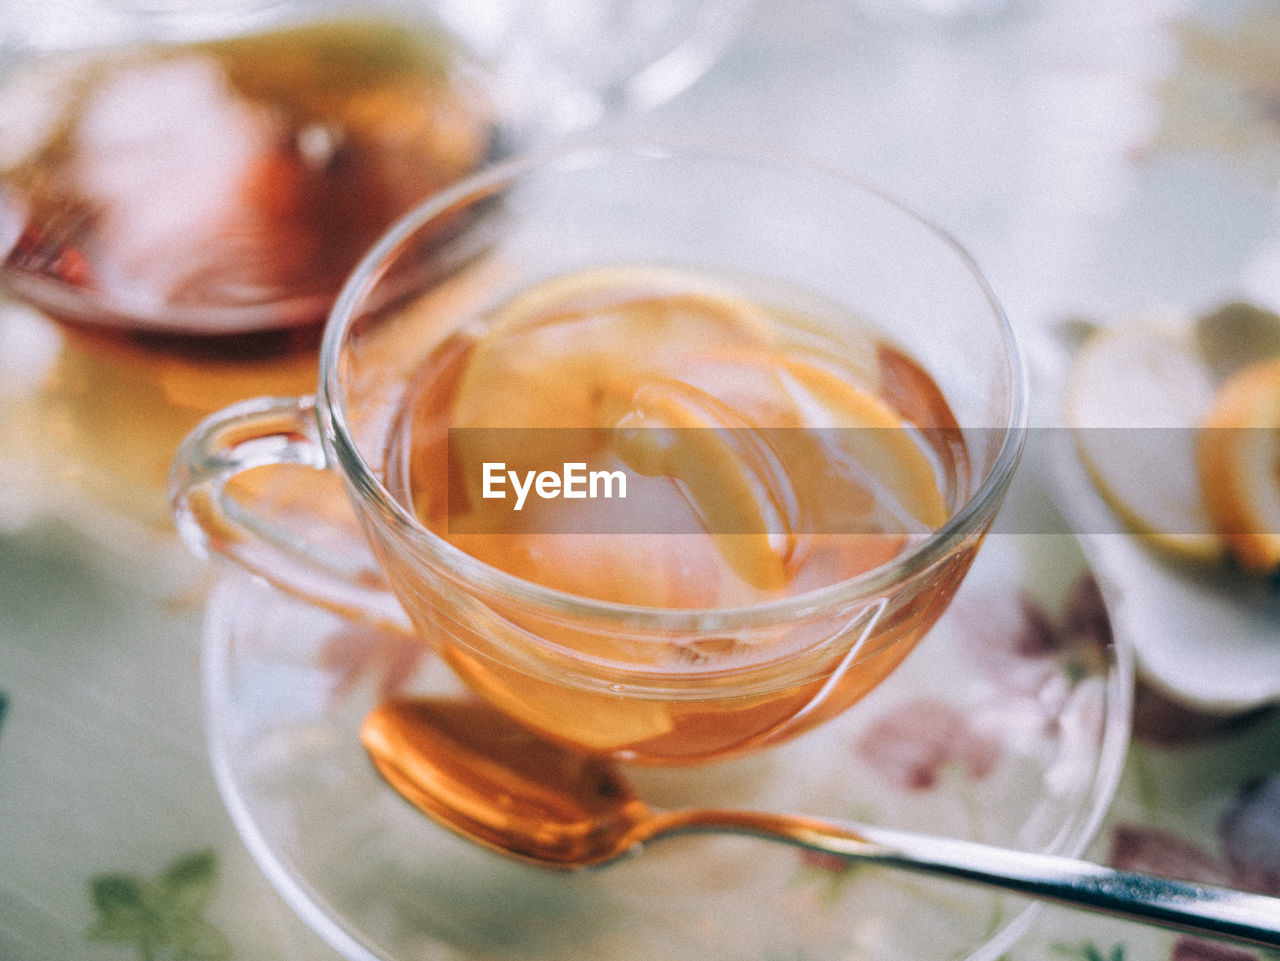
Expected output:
(65, 25)
(68, 24)
(332, 415)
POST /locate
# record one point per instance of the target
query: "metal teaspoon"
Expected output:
(489, 780)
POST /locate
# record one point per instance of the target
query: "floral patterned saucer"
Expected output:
(1008, 725)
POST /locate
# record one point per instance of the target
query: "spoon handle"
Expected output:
(1186, 906)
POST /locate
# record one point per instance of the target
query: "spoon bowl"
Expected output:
(494, 782)
(484, 777)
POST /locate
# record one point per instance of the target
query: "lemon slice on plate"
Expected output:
(1239, 462)
(1135, 397)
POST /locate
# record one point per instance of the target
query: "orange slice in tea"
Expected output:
(872, 439)
(554, 349)
(569, 354)
(1238, 455)
(737, 486)
(650, 299)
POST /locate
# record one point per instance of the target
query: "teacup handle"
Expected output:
(270, 431)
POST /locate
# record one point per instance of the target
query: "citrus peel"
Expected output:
(1178, 427)
(1238, 457)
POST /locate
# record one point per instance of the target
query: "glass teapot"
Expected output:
(178, 167)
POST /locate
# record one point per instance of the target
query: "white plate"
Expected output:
(1208, 638)
(994, 730)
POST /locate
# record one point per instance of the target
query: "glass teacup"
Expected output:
(810, 391)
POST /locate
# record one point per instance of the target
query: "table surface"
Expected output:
(1097, 159)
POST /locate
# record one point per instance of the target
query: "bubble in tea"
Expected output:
(666, 438)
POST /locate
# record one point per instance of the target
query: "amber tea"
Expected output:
(696, 442)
